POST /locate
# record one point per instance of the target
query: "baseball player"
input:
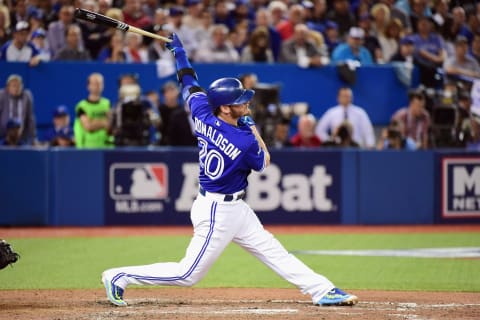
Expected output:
(229, 149)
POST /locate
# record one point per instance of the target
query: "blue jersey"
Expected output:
(227, 154)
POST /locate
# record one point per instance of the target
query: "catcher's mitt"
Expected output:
(7, 255)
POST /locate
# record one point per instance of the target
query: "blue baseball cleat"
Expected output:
(337, 297)
(114, 293)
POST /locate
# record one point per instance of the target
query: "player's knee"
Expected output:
(189, 281)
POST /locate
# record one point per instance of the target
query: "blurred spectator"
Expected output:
(134, 15)
(277, 10)
(60, 120)
(392, 138)
(242, 13)
(280, 137)
(258, 48)
(474, 143)
(222, 14)
(149, 7)
(12, 133)
(157, 49)
(175, 24)
(114, 51)
(405, 51)
(218, 48)
(134, 50)
(35, 20)
(202, 33)
(17, 103)
(461, 66)
(91, 116)
(286, 27)
(362, 127)
(389, 40)
(318, 17)
(475, 48)
(429, 53)
(396, 13)
(193, 18)
(18, 12)
(104, 6)
(380, 17)
(72, 50)
(57, 30)
(5, 31)
(301, 50)
(417, 11)
(463, 129)
(353, 49)
(370, 39)
(94, 35)
(414, 120)
(332, 38)
(263, 19)
(19, 49)
(460, 26)
(238, 36)
(444, 21)
(39, 41)
(342, 16)
(342, 137)
(249, 80)
(305, 136)
(115, 13)
(160, 17)
(176, 129)
(63, 138)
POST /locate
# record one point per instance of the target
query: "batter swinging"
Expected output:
(229, 148)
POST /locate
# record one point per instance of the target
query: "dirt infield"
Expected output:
(196, 303)
(229, 303)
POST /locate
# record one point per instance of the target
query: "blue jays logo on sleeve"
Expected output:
(138, 181)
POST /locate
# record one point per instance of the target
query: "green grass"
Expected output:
(79, 262)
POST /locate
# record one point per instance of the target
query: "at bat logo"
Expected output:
(272, 190)
(90, 16)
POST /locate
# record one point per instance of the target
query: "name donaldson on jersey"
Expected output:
(217, 139)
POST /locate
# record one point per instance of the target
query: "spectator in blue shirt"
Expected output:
(353, 49)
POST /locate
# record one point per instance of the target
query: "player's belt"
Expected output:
(223, 197)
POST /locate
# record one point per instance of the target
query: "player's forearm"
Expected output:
(262, 145)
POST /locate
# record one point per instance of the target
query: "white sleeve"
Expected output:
(323, 125)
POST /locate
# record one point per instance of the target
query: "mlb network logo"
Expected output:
(460, 187)
(138, 181)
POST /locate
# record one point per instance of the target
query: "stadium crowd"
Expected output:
(440, 38)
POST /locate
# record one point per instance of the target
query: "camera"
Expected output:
(132, 121)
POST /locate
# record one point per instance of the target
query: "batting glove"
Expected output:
(246, 121)
(176, 45)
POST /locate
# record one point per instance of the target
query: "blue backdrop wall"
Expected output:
(157, 187)
(376, 89)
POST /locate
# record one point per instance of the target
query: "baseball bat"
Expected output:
(100, 19)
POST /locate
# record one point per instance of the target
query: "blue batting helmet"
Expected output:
(228, 91)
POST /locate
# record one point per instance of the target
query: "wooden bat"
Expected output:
(100, 19)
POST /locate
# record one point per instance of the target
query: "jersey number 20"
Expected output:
(211, 161)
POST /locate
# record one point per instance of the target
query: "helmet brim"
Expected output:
(246, 96)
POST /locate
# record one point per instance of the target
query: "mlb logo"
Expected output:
(138, 181)
(460, 187)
